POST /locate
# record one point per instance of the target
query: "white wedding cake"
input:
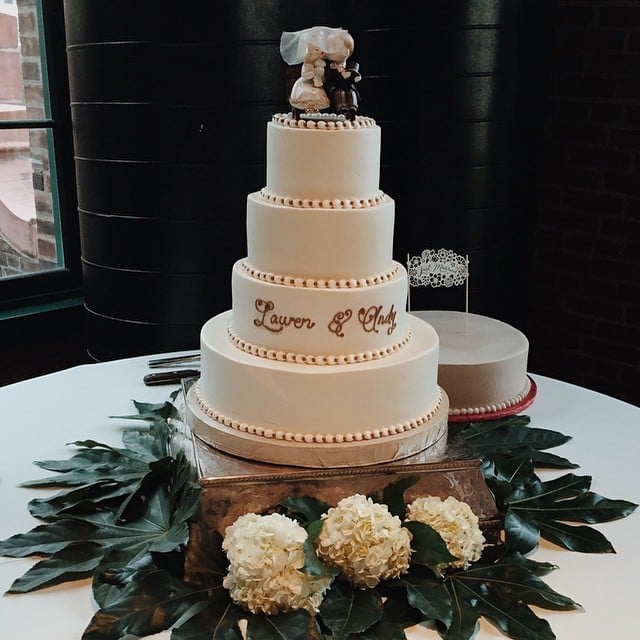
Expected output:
(318, 364)
(483, 365)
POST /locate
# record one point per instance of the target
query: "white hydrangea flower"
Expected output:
(455, 522)
(266, 558)
(364, 540)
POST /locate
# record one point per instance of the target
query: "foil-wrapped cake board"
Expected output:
(233, 486)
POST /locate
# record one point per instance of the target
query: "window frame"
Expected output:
(62, 287)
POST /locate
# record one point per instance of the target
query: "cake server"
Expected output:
(169, 377)
(173, 360)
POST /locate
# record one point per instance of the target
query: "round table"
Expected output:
(41, 415)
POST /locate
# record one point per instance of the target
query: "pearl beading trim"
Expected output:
(320, 360)
(317, 283)
(317, 438)
(327, 203)
(328, 124)
(493, 408)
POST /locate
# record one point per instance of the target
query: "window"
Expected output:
(39, 247)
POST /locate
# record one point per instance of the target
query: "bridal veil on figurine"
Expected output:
(327, 78)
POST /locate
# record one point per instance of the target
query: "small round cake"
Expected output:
(482, 365)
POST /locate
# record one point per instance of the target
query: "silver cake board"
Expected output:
(232, 486)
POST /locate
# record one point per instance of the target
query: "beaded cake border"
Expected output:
(327, 124)
(318, 360)
(326, 203)
(493, 407)
(317, 438)
(319, 283)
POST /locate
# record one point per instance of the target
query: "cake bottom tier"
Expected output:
(318, 416)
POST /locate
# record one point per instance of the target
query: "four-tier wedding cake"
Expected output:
(318, 363)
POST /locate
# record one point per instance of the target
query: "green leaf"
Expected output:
(589, 507)
(464, 614)
(516, 579)
(575, 538)
(295, 625)
(346, 610)
(516, 621)
(312, 564)
(148, 602)
(521, 534)
(74, 562)
(216, 620)
(393, 495)
(429, 549)
(387, 629)
(538, 492)
(547, 506)
(475, 599)
(46, 539)
(80, 500)
(305, 509)
(512, 437)
(512, 471)
(502, 592)
(430, 596)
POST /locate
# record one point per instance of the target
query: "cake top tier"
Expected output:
(322, 164)
(328, 76)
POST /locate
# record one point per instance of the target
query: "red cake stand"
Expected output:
(500, 413)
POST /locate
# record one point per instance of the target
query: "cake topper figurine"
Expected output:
(322, 85)
(341, 75)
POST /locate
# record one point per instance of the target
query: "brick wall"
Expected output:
(585, 316)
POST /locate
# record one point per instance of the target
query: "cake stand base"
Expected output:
(232, 486)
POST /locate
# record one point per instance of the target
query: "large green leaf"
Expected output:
(430, 596)
(216, 620)
(148, 601)
(305, 509)
(294, 625)
(428, 547)
(393, 495)
(502, 592)
(74, 562)
(464, 613)
(575, 538)
(546, 507)
(513, 579)
(46, 539)
(513, 437)
(521, 534)
(346, 609)
(89, 465)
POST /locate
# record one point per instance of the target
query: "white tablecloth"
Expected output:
(39, 416)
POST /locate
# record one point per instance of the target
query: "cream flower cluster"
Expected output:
(364, 540)
(266, 559)
(455, 522)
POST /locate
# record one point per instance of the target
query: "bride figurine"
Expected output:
(307, 47)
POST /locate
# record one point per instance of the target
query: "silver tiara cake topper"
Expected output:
(327, 78)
